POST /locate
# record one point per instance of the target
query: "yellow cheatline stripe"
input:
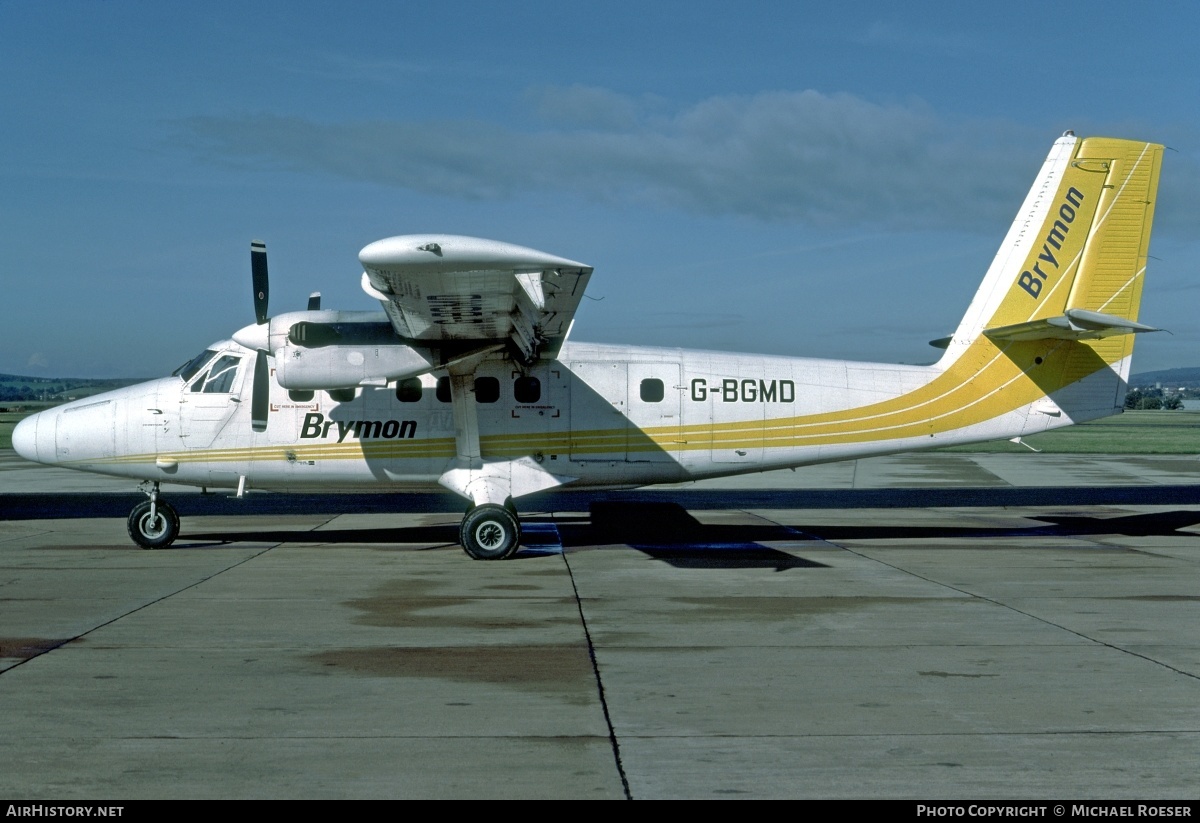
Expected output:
(938, 392)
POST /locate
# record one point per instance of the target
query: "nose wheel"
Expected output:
(154, 523)
(490, 532)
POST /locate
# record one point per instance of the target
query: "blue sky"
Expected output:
(763, 177)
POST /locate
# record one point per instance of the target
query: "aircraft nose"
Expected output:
(24, 438)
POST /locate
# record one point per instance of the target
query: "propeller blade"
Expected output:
(314, 301)
(261, 396)
(258, 271)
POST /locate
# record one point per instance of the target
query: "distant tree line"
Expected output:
(10, 393)
(17, 387)
(1152, 399)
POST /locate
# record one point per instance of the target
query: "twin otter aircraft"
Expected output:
(466, 379)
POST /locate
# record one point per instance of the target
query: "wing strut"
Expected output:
(482, 481)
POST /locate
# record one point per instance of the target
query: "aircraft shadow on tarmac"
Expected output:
(669, 533)
(662, 531)
(1152, 524)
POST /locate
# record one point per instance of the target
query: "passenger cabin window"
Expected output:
(487, 390)
(219, 379)
(409, 390)
(527, 389)
(652, 390)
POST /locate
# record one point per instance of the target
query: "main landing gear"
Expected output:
(153, 524)
(490, 532)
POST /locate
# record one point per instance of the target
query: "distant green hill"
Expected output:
(1169, 378)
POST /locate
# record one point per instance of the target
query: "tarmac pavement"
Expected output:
(940, 626)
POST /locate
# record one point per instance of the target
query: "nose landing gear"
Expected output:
(153, 524)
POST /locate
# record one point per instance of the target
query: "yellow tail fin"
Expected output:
(1084, 279)
(1060, 300)
(1074, 260)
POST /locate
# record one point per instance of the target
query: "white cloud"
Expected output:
(785, 156)
(587, 107)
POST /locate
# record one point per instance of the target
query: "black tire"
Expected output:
(157, 535)
(490, 532)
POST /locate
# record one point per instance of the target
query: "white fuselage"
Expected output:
(600, 415)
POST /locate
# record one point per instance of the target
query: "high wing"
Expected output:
(444, 288)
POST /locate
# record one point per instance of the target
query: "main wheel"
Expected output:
(157, 532)
(490, 532)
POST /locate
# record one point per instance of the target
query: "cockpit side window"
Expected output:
(189, 369)
(220, 376)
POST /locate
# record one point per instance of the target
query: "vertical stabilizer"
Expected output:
(1073, 262)
(1055, 318)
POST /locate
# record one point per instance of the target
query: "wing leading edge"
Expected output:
(442, 289)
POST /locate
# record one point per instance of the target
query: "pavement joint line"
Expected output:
(26, 535)
(1014, 609)
(145, 605)
(612, 732)
(809, 539)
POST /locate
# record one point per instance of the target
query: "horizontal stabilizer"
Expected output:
(1074, 324)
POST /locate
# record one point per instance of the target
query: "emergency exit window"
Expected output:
(527, 389)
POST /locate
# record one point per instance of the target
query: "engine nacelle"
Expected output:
(299, 368)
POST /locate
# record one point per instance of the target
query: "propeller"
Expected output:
(261, 394)
(258, 336)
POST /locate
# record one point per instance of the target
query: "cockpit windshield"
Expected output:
(189, 369)
(219, 379)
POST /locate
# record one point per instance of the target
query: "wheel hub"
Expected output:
(154, 527)
(490, 535)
